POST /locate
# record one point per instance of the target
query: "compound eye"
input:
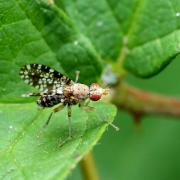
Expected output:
(95, 97)
(95, 92)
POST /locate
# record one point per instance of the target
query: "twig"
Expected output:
(142, 103)
(88, 168)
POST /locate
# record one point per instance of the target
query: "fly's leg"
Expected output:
(30, 94)
(89, 108)
(69, 119)
(70, 128)
(77, 76)
(60, 107)
(85, 106)
(57, 109)
(48, 120)
(87, 102)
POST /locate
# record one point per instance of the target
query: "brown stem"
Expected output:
(88, 167)
(137, 117)
(140, 102)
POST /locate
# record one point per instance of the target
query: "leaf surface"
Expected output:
(39, 32)
(141, 35)
(27, 151)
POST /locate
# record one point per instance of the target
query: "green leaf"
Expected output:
(40, 32)
(154, 37)
(96, 20)
(143, 35)
(82, 35)
(29, 152)
(33, 32)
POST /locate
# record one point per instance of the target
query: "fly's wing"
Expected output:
(43, 77)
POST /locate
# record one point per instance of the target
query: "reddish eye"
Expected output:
(95, 92)
(95, 97)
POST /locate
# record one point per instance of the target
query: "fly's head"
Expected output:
(96, 92)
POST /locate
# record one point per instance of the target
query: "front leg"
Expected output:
(77, 76)
(57, 109)
(69, 119)
(69, 112)
(85, 106)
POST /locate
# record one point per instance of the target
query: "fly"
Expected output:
(57, 89)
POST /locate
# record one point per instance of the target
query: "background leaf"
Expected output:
(142, 34)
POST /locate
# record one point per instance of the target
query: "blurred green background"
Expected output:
(151, 153)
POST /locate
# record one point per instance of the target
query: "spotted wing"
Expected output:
(43, 77)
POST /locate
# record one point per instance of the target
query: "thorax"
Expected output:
(77, 91)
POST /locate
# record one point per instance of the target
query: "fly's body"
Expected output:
(57, 89)
(71, 94)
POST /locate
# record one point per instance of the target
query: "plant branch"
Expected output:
(88, 167)
(141, 103)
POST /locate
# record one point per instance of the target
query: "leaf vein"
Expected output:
(132, 24)
(51, 49)
(19, 136)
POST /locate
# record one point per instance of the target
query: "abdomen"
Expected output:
(50, 100)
